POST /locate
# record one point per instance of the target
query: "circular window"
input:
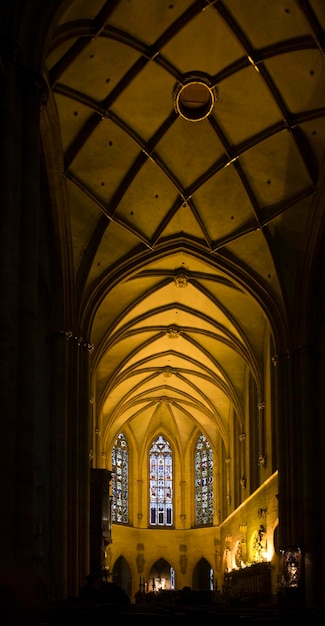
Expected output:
(194, 100)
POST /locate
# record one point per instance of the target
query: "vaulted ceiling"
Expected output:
(187, 138)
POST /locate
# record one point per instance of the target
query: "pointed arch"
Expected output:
(122, 575)
(204, 487)
(161, 576)
(161, 483)
(203, 576)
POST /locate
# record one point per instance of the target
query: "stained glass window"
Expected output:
(161, 479)
(120, 468)
(203, 482)
(172, 578)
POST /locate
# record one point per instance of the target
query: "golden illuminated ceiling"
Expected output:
(192, 138)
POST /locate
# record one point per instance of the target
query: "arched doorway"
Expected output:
(122, 575)
(202, 576)
(160, 576)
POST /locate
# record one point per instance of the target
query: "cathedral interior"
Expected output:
(162, 296)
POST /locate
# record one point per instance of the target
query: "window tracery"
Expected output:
(204, 496)
(161, 479)
(120, 469)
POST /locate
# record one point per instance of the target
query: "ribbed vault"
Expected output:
(186, 231)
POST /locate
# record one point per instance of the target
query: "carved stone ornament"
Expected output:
(183, 560)
(180, 280)
(140, 563)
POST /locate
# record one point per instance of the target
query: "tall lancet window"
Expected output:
(203, 482)
(120, 470)
(161, 483)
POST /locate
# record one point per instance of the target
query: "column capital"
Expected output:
(68, 335)
(290, 353)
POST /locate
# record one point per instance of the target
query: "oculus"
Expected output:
(195, 98)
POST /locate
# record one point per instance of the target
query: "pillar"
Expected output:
(242, 439)
(298, 448)
(228, 483)
(71, 462)
(22, 95)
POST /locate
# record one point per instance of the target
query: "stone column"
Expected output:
(70, 468)
(283, 452)
(242, 439)
(140, 512)
(22, 95)
(297, 446)
(311, 489)
(261, 434)
(183, 503)
(58, 513)
(79, 462)
(77, 456)
(228, 484)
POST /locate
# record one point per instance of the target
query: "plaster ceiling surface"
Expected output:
(186, 220)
